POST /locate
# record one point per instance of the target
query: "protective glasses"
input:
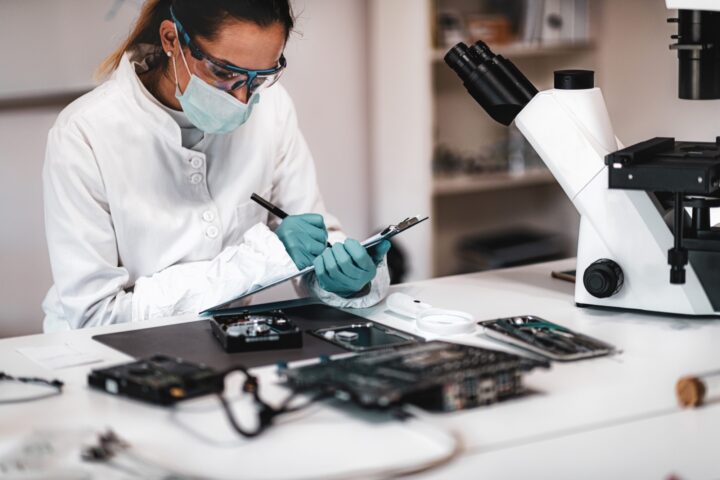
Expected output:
(225, 76)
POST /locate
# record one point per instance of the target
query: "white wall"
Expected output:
(401, 121)
(24, 266)
(328, 80)
(58, 43)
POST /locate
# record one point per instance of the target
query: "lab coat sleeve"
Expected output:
(295, 189)
(91, 285)
(189, 288)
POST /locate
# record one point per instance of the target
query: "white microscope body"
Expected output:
(572, 133)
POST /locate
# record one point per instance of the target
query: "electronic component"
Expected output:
(254, 332)
(161, 380)
(434, 375)
(545, 338)
(364, 337)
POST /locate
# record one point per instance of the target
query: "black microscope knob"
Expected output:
(603, 279)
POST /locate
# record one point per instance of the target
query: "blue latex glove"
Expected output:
(346, 268)
(304, 237)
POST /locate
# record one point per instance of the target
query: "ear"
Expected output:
(168, 36)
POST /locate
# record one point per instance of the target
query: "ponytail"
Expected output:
(146, 30)
(200, 18)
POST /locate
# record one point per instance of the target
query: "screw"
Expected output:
(630, 177)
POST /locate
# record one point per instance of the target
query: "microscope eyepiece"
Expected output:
(481, 52)
(493, 81)
(458, 58)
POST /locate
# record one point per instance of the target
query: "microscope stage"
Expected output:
(663, 165)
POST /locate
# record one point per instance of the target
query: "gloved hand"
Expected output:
(347, 267)
(304, 237)
(378, 252)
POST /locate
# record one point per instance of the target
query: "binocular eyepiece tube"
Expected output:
(492, 80)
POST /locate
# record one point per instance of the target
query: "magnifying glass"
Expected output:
(431, 320)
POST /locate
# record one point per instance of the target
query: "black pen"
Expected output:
(274, 209)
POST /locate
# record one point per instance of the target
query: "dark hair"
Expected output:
(199, 18)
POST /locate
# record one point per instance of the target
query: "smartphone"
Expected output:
(364, 337)
(545, 338)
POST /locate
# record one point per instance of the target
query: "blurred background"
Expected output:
(392, 130)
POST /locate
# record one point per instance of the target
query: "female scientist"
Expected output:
(147, 178)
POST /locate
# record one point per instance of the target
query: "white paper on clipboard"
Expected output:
(386, 234)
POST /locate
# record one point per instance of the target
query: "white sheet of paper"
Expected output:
(56, 357)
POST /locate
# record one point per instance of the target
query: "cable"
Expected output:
(417, 419)
(267, 413)
(55, 384)
(114, 452)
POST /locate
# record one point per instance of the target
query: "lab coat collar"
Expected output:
(146, 110)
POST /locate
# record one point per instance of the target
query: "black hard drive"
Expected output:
(255, 332)
(161, 380)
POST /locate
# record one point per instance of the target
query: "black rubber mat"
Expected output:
(195, 342)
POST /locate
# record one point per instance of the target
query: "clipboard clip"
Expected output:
(409, 222)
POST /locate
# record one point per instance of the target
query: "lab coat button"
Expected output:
(208, 216)
(196, 178)
(212, 232)
(196, 162)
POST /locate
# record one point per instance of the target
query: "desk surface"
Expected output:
(603, 418)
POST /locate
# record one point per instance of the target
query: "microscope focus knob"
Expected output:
(603, 279)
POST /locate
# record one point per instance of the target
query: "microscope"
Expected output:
(646, 242)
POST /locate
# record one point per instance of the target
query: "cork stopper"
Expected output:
(690, 392)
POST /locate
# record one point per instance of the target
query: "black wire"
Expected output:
(266, 413)
(234, 423)
(56, 384)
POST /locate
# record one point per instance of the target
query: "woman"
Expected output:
(147, 178)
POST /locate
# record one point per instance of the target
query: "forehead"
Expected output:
(246, 44)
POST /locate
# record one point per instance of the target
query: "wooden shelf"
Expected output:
(530, 50)
(461, 184)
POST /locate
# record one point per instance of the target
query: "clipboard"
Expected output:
(386, 234)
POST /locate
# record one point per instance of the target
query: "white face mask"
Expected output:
(211, 109)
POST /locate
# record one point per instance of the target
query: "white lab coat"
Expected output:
(139, 227)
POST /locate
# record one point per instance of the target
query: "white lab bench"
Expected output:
(605, 418)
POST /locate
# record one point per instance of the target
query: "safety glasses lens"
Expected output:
(228, 80)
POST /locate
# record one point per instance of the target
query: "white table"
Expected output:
(605, 418)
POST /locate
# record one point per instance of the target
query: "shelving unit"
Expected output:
(425, 106)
